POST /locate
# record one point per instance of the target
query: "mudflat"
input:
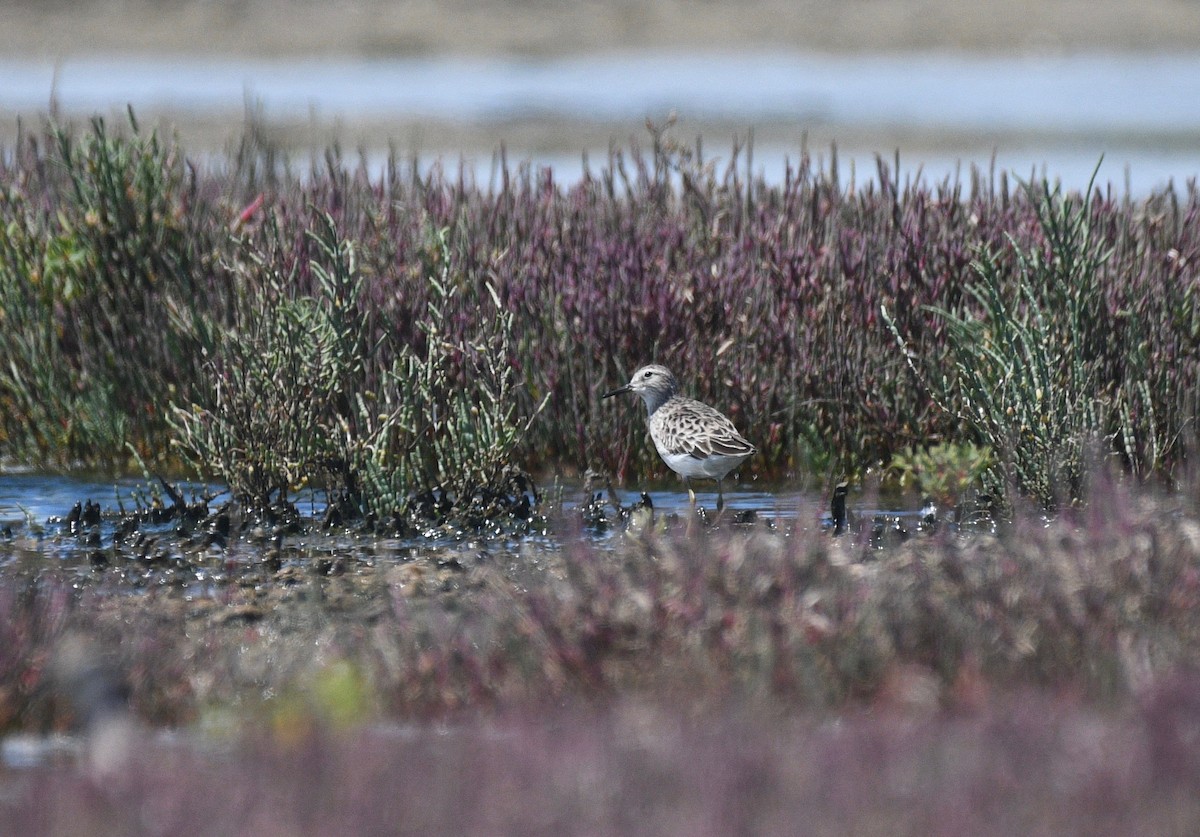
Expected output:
(276, 28)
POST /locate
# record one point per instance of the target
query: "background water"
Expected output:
(1056, 114)
(1082, 93)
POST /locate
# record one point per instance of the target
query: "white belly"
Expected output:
(710, 468)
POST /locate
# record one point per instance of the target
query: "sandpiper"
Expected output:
(695, 440)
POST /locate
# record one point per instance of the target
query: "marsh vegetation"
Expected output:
(429, 353)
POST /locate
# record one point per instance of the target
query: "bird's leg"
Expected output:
(691, 494)
(720, 497)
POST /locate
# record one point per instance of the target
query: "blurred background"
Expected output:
(1035, 87)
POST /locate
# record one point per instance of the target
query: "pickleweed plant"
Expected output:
(119, 276)
(103, 247)
(279, 379)
(454, 404)
(310, 389)
(1041, 368)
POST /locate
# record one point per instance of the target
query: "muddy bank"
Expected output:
(377, 28)
(1098, 603)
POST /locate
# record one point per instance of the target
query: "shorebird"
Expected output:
(695, 440)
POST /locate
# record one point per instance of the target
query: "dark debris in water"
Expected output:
(175, 541)
(884, 527)
(194, 544)
(602, 512)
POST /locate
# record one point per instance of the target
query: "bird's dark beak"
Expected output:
(616, 391)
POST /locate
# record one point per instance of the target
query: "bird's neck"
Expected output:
(654, 400)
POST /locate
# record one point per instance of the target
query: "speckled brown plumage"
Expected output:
(684, 425)
(695, 440)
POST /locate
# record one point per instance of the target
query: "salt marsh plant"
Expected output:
(453, 424)
(1044, 369)
(764, 296)
(102, 243)
(279, 378)
(315, 389)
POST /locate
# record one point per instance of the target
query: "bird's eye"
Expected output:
(648, 375)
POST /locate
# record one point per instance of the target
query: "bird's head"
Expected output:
(655, 384)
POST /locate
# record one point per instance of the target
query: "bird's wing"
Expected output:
(699, 430)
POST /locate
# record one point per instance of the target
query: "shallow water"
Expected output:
(35, 506)
(35, 536)
(42, 499)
